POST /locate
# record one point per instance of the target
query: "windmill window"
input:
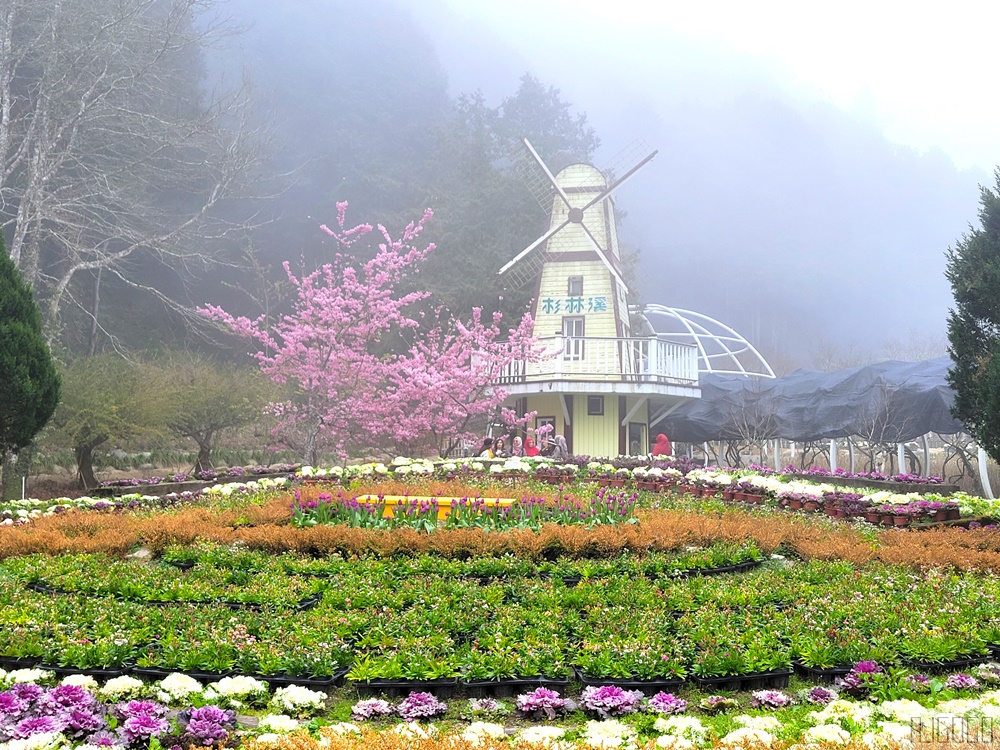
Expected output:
(595, 406)
(573, 333)
(575, 286)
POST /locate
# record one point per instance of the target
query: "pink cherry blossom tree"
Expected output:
(356, 390)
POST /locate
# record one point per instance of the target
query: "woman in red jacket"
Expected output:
(662, 446)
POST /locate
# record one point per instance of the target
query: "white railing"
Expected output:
(634, 360)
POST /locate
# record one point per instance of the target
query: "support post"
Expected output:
(927, 456)
(984, 475)
(901, 458)
(833, 454)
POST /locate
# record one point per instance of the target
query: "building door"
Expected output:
(638, 440)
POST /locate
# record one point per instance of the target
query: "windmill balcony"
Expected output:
(605, 365)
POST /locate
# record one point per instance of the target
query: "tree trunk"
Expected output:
(204, 460)
(85, 463)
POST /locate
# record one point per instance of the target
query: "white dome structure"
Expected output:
(721, 350)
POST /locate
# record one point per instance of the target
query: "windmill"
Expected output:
(546, 187)
(600, 387)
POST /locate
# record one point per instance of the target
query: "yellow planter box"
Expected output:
(444, 503)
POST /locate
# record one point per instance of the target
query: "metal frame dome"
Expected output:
(721, 350)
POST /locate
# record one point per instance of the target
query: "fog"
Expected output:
(772, 206)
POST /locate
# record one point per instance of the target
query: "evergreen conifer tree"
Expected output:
(974, 324)
(29, 382)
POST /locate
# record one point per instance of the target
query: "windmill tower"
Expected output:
(599, 384)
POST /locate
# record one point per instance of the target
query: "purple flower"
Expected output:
(542, 702)
(866, 667)
(961, 681)
(366, 709)
(142, 727)
(918, 680)
(27, 691)
(770, 699)
(209, 724)
(68, 697)
(420, 705)
(610, 700)
(821, 695)
(667, 703)
(37, 725)
(104, 739)
(82, 721)
(140, 708)
(11, 704)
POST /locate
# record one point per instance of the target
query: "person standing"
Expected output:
(517, 447)
(662, 446)
(530, 449)
(486, 451)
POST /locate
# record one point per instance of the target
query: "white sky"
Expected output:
(924, 73)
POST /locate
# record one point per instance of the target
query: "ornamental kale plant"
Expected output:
(208, 725)
(542, 703)
(610, 700)
(667, 703)
(369, 707)
(420, 706)
(770, 699)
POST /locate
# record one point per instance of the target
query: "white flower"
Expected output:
(179, 686)
(828, 734)
(541, 735)
(857, 712)
(297, 698)
(765, 723)
(681, 726)
(79, 680)
(609, 733)
(239, 686)
(901, 710)
(118, 688)
(895, 730)
(280, 723)
(268, 738)
(28, 675)
(959, 706)
(40, 741)
(672, 742)
(747, 736)
(477, 731)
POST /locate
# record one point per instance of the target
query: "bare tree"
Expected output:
(111, 154)
(751, 422)
(879, 425)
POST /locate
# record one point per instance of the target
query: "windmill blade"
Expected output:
(545, 169)
(602, 256)
(533, 245)
(618, 183)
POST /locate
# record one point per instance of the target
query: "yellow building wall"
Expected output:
(553, 303)
(592, 435)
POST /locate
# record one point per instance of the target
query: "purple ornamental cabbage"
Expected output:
(369, 707)
(208, 725)
(667, 703)
(37, 725)
(610, 700)
(821, 696)
(143, 727)
(770, 699)
(543, 703)
(420, 705)
(961, 681)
